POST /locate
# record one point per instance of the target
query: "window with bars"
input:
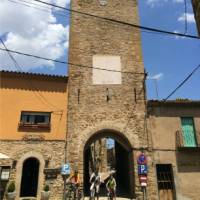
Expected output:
(165, 181)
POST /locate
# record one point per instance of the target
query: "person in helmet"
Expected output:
(95, 181)
(111, 186)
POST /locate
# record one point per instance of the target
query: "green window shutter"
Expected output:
(189, 135)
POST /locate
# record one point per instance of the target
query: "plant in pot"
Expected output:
(11, 194)
(45, 195)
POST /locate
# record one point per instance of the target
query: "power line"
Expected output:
(186, 23)
(37, 7)
(34, 56)
(182, 83)
(120, 22)
(69, 63)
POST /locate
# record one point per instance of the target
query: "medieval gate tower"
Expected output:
(106, 83)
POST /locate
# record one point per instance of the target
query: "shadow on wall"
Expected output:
(188, 161)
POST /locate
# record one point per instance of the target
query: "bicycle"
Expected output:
(111, 194)
(73, 192)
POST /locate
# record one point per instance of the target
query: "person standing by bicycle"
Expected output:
(95, 181)
(111, 187)
(74, 180)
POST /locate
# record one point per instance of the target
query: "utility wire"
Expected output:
(69, 63)
(120, 22)
(34, 56)
(186, 23)
(18, 67)
(182, 83)
(47, 9)
(35, 6)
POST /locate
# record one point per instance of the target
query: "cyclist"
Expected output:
(95, 181)
(111, 187)
(74, 180)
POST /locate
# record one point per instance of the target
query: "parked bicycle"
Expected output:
(73, 192)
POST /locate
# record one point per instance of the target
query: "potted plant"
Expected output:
(45, 195)
(11, 194)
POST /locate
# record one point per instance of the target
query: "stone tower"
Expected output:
(106, 79)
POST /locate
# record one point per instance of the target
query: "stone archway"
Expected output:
(124, 162)
(19, 171)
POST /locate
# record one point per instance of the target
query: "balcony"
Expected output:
(189, 141)
(30, 127)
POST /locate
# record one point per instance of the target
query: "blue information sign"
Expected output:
(65, 169)
(142, 169)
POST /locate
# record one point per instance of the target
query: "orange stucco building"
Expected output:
(33, 127)
(23, 92)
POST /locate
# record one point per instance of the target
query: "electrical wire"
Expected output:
(69, 63)
(183, 82)
(47, 9)
(35, 6)
(120, 22)
(186, 23)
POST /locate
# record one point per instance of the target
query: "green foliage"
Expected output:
(11, 187)
(46, 188)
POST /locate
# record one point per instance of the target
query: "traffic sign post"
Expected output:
(142, 172)
(65, 172)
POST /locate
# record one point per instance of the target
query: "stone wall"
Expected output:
(50, 155)
(113, 108)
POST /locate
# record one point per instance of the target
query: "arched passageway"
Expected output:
(29, 181)
(110, 150)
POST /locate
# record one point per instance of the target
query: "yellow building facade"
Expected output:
(33, 127)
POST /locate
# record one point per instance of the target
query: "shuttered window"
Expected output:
(189, 134)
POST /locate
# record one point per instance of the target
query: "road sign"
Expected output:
(143, 180)
(142, 169)
(142, 159)
(65, 169)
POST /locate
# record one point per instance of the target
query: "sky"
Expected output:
(34, 28)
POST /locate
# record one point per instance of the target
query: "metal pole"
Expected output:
(64, 190)
(144, 193)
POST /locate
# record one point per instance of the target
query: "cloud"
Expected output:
(30, 30)
(178, 1)
(190, 18)
(178, 37)
(156, 76)
(152, 3)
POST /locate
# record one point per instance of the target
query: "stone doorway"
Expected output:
(110, 152)
(29, 181)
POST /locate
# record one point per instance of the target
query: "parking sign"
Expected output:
(65, 169)
(142, 169)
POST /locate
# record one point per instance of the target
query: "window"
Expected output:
(188, 132)
(165, 181)
(35, 121)
(35, 117)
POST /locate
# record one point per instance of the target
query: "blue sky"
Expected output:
(167, 59)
